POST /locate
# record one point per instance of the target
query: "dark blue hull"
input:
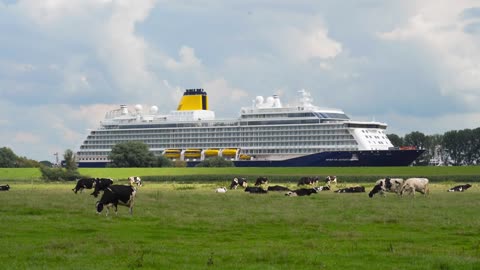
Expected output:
(325, 159)
(338, 159)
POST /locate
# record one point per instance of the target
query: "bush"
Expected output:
(59, 174)
(180, 164)
(215, 162)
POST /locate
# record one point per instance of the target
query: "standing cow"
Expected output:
(115, 195)
(331, 179)
(415, 184)
(238, 182)
(84, 183)
(4, 187)
(386, 185)
(135, 180)
(307, 181)
(100, 185)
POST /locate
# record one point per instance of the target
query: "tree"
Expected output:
(46, 163)
(396, 140)
(163, 161)
(23, 162)
(417, 139)
(452, 146)
(7, 158)
(131, 154)
(420, 141)
(70, 162)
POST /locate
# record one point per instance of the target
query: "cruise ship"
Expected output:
(266, 134)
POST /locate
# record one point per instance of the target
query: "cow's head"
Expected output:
(375, 190)
(99, 207)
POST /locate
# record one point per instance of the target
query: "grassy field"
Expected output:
(189, 226)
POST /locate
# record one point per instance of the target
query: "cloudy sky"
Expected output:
(414, 65)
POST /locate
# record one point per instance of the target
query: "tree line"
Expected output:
(455, 147)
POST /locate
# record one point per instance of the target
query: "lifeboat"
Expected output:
(192, 153)
(229, 152)
(245, 157)
(172, 153)
(211, 152)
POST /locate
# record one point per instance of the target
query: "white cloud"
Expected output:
(439, 28)
(306, 44)
(106, 27)
(187, 60)
(222, 94)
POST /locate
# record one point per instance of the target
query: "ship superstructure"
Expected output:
(266, 133)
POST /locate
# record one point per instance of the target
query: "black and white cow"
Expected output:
(84, 183)
(100, 185)
(386, 185)
(331, 179)
(460, 188)
(4, 187)
(115, 195)
(255, 190)
(322, 188)
(238, 182)
(135, 180)
(261, 181)
(302, 192)
(351, 189)
(307, 181)
(278, 188)
(415, 184)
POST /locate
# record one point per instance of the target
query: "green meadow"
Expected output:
(186, 225)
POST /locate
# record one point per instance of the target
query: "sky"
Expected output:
(414, 65)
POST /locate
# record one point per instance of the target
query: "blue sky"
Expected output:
(414, 65)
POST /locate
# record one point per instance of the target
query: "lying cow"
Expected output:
(100, 185)
(351, 189)
(4, 187)
(460, 188)
(238, 182)
(255, 190)
(135, 180)
(322, 188)
(302, 192)
(307, 181)
(331, 179)
(221, 190)
(415, 184)
(278, 188)
(115, 195)
(84, 183)
(386, 185)
(261, 181)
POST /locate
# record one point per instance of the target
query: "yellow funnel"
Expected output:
(193, 99)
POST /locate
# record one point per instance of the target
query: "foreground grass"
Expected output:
(189, 226)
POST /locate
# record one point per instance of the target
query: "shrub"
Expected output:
(215, 162)
(59, 174)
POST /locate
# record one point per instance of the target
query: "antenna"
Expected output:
(56, 159)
